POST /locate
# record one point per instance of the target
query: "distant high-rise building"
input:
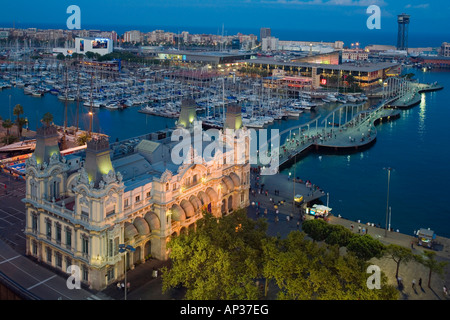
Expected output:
(264, 33)
(445, 49)
(269, 44)
(235, 44)
(402, 37)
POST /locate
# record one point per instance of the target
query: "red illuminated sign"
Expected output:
(323, 81)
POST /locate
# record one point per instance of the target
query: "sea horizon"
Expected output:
(364, 37)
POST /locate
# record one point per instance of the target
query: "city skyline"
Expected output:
(316, 18)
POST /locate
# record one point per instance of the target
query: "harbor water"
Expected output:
(415, 146)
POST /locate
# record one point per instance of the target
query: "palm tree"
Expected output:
(47, 118)
(21, 123)
(17, 111)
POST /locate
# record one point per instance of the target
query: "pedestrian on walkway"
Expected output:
(118, 285)
(128, 287)
(445, 291)
(412, 244)
(123, 286)
(420, 283)
(414, 284)
(359, 229)
(298, 225)
(351, 227)
(363, 230)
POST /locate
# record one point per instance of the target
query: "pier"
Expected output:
(342, 133)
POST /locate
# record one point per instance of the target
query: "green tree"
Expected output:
(317, 229)
(60, 56)
(338, 235)
(47, 118)
(365, 247)
(220, 260)
(82, 139)
(306, 270)
(428, 259)
(18, 111)
(399, 254)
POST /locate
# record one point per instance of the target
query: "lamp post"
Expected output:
(387, 201)
(328, 198)
(124, 249)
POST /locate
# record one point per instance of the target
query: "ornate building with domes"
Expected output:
(81, 206)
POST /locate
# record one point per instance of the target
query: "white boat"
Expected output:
(112, 106)
(351, 98)
(63, 98)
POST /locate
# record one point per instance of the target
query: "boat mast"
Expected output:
(78, 96)
(91, 107)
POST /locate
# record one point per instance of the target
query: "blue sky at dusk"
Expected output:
(305, 17)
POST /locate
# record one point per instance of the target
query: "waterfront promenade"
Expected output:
(357, 133)
(408, 271)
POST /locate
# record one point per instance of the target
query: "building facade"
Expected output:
(80, 207)
(445, 49)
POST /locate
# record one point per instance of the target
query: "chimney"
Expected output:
(46, 143)
(98, 159)
(233, 118)
(188, 113)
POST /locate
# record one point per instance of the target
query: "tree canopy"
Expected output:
(219, 261)
(306, 270)
(224, 258)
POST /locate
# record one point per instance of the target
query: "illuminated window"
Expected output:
(125, 204)
(138, 198)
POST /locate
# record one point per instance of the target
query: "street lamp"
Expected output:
(328, 198)
(387, 202)
(124, 249)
